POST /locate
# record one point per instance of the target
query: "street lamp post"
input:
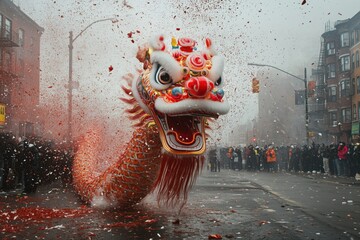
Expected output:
(71, 82)
(306, 93)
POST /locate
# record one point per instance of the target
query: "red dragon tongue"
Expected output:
(183, 128)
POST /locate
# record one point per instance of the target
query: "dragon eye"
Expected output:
(218, 82)
(162, 76)
(160, 79)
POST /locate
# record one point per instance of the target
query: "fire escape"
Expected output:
(8, 40)
(317, 112)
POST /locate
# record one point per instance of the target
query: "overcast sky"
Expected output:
(282, 33)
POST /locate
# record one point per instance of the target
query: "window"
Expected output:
(333, 118)
(352, 61)
(21, 67)
(332, 94)
(346, 115)
(344, 39)
(331, 70)
(352, 90)
(7, 32)
(21, 37)
(7, 61)
(357, 64)
(352, 38)
(330, 48)
(357, 36)
(358, 85)
(354, 111)
(345, 88)
(345, 63)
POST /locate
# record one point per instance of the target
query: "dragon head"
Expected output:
(180, 89)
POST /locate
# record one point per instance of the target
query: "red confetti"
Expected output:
(177, 29)
(130, 34)
(50, 86)
(111, 68)
(132, 40)
(303, 2)
(215, 236)
(262, 222)
(151, 221)
(137, 31)
(30, 215)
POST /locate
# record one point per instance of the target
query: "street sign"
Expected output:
(299, 97)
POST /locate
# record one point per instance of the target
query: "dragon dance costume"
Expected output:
(176, 94)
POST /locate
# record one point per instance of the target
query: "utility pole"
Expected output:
(71, 82)
(306, 93)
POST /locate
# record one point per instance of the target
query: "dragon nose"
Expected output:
(199, 86)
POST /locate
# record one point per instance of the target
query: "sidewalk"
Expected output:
(316, 176)
(328, 178)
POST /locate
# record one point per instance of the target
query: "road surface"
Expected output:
(227, 204)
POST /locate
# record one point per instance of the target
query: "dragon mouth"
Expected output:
(184, 134)
(182, 124)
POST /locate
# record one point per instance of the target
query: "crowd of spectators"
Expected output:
(335, 159)
(29, 162)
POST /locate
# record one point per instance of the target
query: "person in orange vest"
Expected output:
(230, 156)
(271, 159)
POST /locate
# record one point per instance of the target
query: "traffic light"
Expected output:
(255, 85)
(311, 88)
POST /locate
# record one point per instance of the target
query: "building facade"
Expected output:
(354, 33)
(339, 77)
(19, 71)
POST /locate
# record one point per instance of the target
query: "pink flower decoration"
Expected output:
(195, 62)
(186, 44)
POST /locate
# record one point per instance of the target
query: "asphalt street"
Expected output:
(222, 205)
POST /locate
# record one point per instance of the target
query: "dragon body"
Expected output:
(176, 93)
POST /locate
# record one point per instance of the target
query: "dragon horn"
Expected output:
(157, 43)
(210, 50)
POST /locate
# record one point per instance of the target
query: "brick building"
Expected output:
(341, 44)
(19, 71)
(354, 32)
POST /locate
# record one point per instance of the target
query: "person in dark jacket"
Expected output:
(351, 161)
(325, 152)
(8, 151)
(212, 160)
(332, 159)
(29, 159)
(239, 154)
(2, 161)
(356, 157)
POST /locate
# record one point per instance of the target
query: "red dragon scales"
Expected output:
(177, 92)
